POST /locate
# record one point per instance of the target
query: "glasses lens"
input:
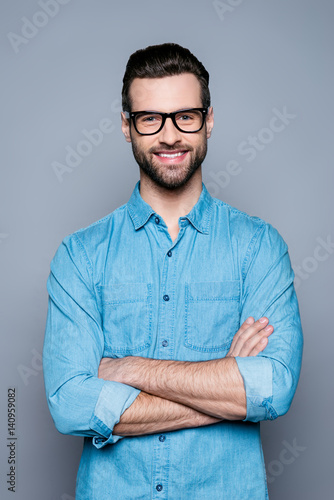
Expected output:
(148, 123)
(189, 121)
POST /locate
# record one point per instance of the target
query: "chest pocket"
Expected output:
(127, 317)
(212, 315)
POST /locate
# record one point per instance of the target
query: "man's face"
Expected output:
(166, 95)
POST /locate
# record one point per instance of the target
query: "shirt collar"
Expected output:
(199, 216)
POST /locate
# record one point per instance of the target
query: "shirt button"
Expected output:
(162, 438)
(169, 253)
(159, 487)
(166, 298)
(157, 220)
(164, 343)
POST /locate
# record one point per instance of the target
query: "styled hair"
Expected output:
(157, 61)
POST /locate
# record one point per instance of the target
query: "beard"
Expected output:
(171, 176)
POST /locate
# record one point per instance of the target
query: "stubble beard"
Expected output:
(171, 176)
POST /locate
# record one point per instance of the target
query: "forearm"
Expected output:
(151, 414)
(212, 387)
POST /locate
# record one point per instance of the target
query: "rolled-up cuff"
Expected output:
(257, 374)
(113, 400)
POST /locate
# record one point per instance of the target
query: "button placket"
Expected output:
(164, 350)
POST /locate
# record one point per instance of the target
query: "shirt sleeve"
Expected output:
(271, 377)
(80, 403)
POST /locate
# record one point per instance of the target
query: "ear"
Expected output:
(209, 122)
(126, 127)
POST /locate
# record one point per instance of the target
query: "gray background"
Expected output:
(66, 78)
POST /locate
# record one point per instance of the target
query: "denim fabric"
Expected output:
(121, 287)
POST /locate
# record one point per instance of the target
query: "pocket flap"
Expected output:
(118, 293)
(213, 290)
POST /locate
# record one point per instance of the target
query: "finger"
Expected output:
(244, 343)
(260, 346)
(246, 324)
(246, 334)
(254, 342)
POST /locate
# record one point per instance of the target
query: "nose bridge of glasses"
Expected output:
(169, 126)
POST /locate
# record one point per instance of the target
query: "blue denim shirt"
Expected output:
(121, 287)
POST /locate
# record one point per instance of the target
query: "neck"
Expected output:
(171, 204)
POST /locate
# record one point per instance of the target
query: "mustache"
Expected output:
(174, 147)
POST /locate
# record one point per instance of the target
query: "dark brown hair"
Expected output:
(157, 61)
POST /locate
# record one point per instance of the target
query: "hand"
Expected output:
(251, 338)
(112, 369)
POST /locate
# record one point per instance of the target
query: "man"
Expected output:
(144, 353)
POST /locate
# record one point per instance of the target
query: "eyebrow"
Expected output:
(156, 111)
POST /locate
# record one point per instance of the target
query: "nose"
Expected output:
(169, 133)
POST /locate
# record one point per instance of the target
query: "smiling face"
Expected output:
(169, 158)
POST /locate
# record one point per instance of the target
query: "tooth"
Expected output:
(170, 155)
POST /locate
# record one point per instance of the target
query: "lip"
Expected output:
(177, 159)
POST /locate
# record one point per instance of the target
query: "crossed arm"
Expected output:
(177, 395)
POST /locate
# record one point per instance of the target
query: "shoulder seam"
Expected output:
(75, 235)
(236, 211)
(89, 264)
(252, 242)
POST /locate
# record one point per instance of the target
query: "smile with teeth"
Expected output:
(173, 155)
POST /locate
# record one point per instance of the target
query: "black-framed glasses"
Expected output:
(151, 122)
